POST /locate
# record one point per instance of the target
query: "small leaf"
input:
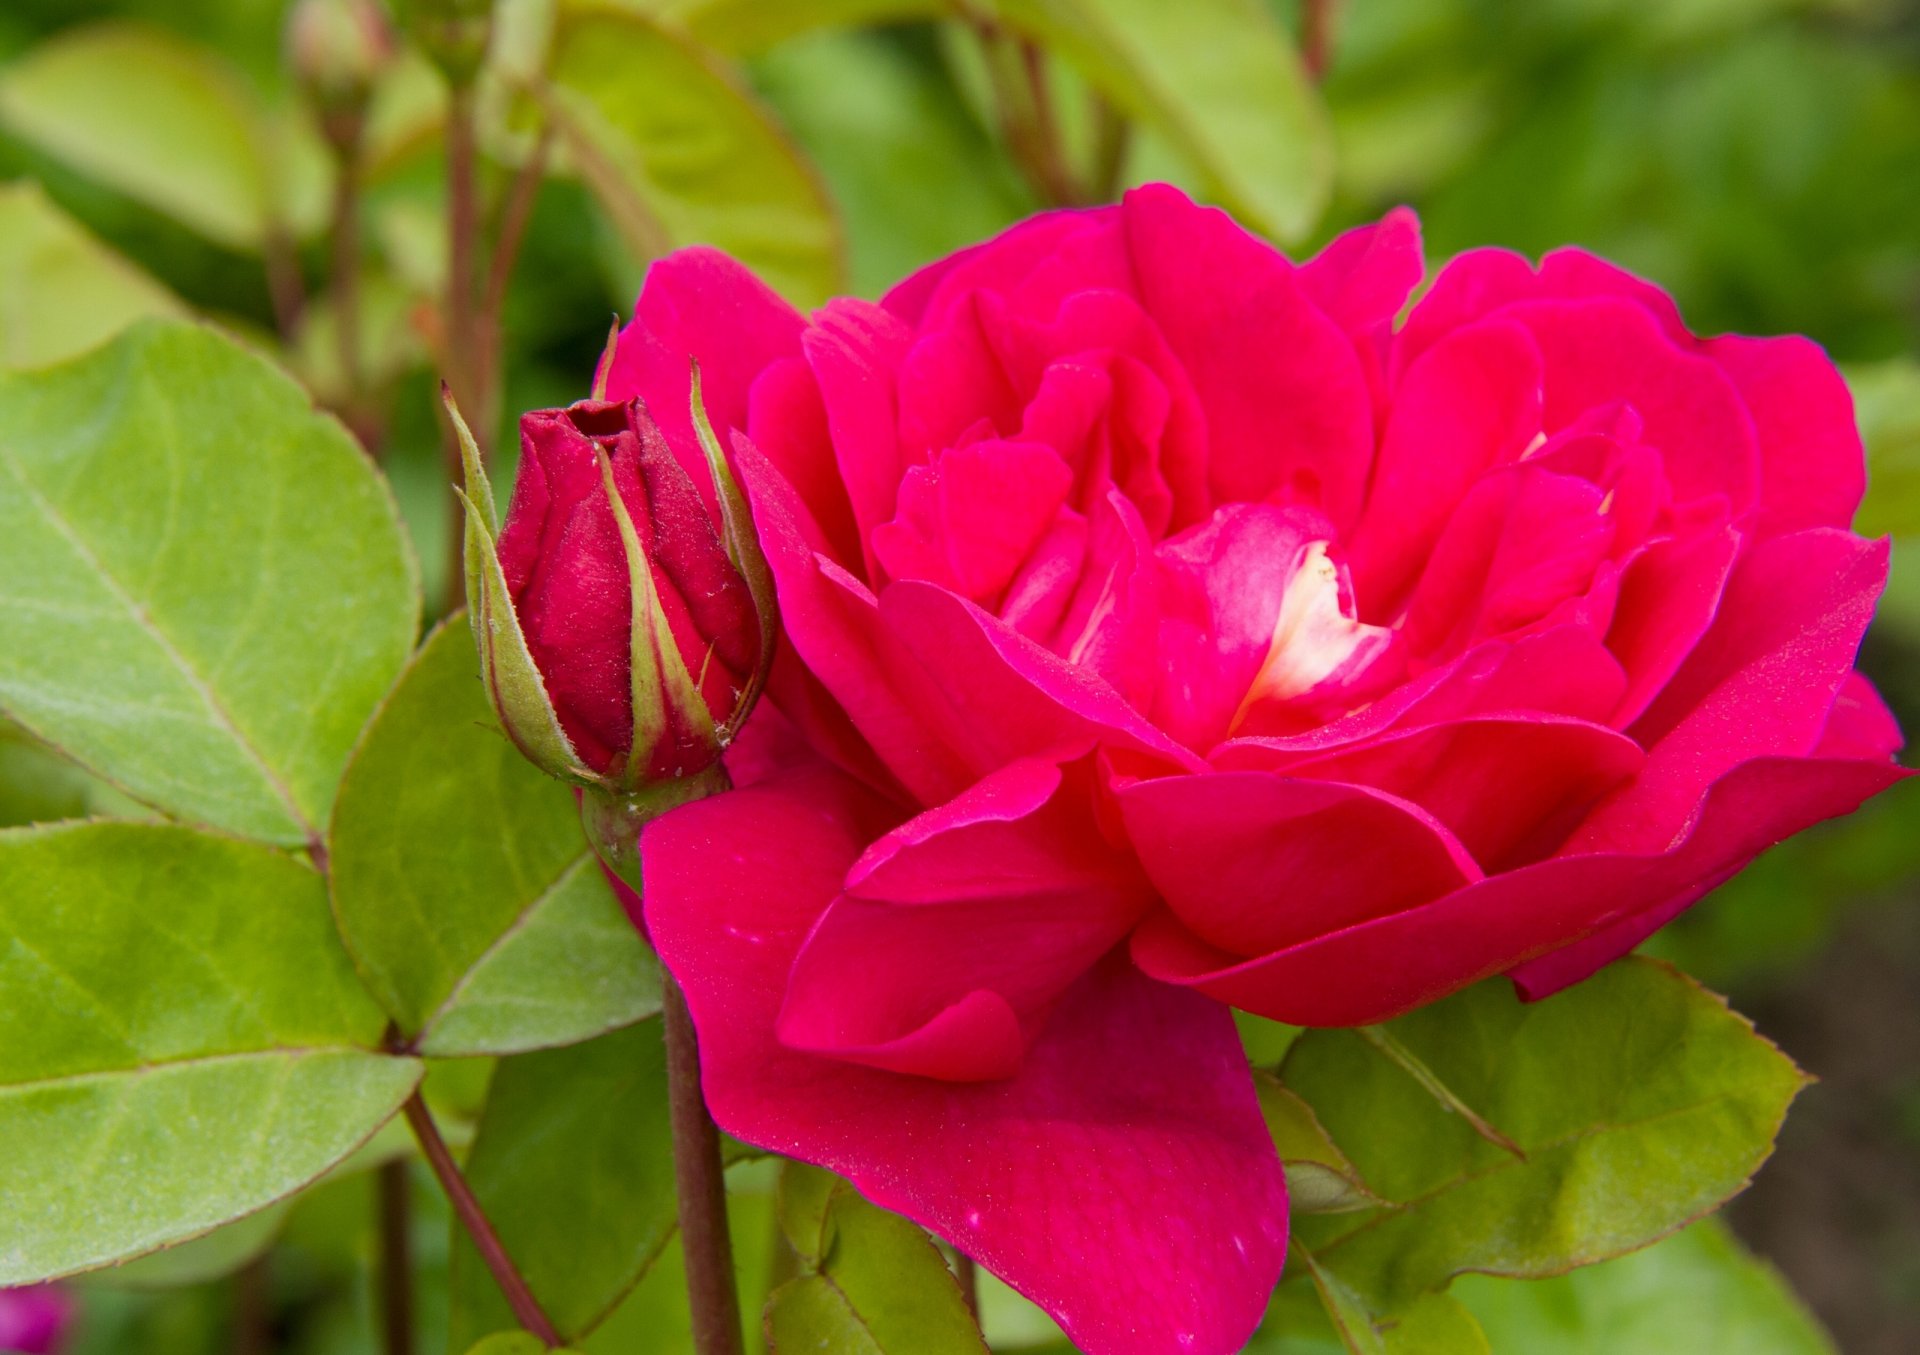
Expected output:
(573, 1162)
(462, 884)
(204, 586)
(1699, 1290)
(182, 1040)
(167, 123)
(875, 1283)
(1320, 1180)
(1219, 79)
(62, 291)
(678, 152)
(1640, 1101)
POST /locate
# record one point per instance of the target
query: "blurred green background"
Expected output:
(1758, 158)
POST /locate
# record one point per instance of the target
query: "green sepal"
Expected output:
(743, 549)
(662, 686)
(512, 679)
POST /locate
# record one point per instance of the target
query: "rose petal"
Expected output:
(1470, 402)
(1255, 862)
(1761, 680)
(1813, 469)
(1380, 969)
(698, 303)
(1289, 413)
(1123, 1179)
(964, 926)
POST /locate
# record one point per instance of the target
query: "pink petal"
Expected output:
(1123, 1179)
(1364, 276)
(1380, 969)
(965, 925)
(1289, 413)
(1668, 597)
(834, 626)
(855, 350)
(698, 303)
(1254, 862)
(1797, 794)
(1605, 350)
(1506, 785)
(1761, 680)
(926, 298)
(971, 519)
(1860, 725)
(1011, 698)
(1813, 470)
(788, 423)
(1470, 402)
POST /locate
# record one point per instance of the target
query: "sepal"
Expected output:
(513, 681)
(744, 550)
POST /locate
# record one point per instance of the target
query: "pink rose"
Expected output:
(34, 1320)
(1168, 631)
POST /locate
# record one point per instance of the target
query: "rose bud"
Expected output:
(337, 49)
(624, 637)
(34, 1320)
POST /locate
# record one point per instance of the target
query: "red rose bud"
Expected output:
(623, 641)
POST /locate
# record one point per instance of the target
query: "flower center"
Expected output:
(1319, 645)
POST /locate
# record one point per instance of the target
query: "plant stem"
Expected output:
(1316, 36)
(526, 1308)
(457, 315)
(252, 1327)
(396, 1257)
(345, 232)
(1056, 179)
(968, 1274)
(514, 217)
(699, 1179)
(286, 289)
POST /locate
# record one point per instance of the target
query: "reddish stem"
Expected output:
(526, 1308)
(700, 1180)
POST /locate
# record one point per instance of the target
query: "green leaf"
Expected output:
(201, 1259)
(165, 122)
(742, 26)
(182, 1040)
(462, 882)
(678, 152)
(514, 1343)
(1697, 1291)
(873, 1282)
(1219, 80)
(1320, 1179)
(911, 169)
(204, 586)
(1640, 1101)
(62, 291)
(1887, 401)
(573, 1163)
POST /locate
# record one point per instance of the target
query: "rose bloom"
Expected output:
(1168, 631)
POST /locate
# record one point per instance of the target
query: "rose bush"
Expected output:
(1169, 630)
